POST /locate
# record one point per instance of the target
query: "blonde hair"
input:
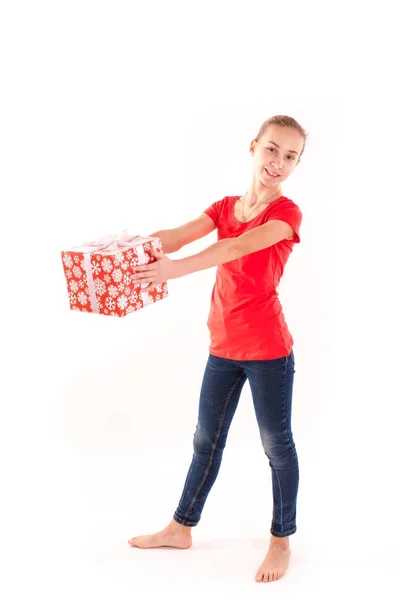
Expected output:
(283, 121)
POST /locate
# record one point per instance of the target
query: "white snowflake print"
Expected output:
(159, 288)
(68, 274)
(127, 291)
(106, 265)
(129, 254)
(113, 291)
(127, 278)
(117, 275)
(138, 305)
(130, 309)
(122, 302)
(84, 310)
(158, 297)
(76, 259)
(147, 247)
(67, 261)
(75, 308)
(107, 278)
(113, 314)
(118, 258)
(77, 272)
(133, 297)
(99, 286)
(125, 265)
(82, 298)
(110, 303)
(165, 294)
(157, 245)
(81, 283)
(134, 262)
(73, 285)
(72, 298)
(105, 311)
(95, 267)
(82, 264)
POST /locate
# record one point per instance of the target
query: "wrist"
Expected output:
(181, 268)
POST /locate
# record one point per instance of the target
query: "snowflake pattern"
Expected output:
(122, 302)
(82, 298)
(95, 267)
(68, 262)
(110, 303)
(74, 287)
(106, 265)
(77, 272)
(99, 286)
(111, 280)
(117, 275)
(113, 291)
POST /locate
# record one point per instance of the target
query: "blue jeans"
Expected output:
(271, 384)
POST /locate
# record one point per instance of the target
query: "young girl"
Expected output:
(249, 336)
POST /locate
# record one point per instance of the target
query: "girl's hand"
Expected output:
(156, 272)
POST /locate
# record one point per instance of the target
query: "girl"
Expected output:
(249, 336)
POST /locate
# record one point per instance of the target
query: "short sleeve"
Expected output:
(214, 211)
(291, 214)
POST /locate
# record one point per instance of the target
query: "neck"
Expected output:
(259, 193)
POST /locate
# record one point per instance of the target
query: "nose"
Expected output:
(277, 163)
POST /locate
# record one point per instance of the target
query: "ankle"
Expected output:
(175, 527)
(280, 542)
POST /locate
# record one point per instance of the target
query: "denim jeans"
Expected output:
(271, 384)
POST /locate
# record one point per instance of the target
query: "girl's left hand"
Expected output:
(156, 272)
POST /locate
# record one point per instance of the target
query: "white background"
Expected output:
(132, 115)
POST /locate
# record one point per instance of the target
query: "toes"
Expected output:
(259, 577)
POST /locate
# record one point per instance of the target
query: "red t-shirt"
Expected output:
(246, 320)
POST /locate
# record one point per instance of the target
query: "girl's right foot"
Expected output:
(173, 536)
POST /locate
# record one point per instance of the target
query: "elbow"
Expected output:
(235, 249)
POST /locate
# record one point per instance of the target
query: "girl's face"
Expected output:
(276, 154)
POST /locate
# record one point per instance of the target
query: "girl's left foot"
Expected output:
(275, 563)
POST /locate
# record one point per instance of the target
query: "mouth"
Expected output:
(274, 175)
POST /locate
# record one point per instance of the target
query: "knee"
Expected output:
(278, 446)
(204, 442)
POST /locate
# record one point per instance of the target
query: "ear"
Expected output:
(253, 146)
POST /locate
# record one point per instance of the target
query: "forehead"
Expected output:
(286, 138)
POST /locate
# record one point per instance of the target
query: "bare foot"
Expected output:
(275, 563)
(173, 536)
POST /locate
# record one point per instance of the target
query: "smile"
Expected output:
(271, 174)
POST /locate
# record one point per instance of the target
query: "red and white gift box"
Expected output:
(99, 275)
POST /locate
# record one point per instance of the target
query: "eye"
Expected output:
(292, 157)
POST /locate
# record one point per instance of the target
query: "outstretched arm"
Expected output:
(219, 253)
(174, 239)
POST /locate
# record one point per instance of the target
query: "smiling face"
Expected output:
(276, 154)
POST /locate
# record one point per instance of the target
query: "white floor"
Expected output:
(80, 508)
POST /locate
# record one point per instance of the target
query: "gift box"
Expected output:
(99, 275)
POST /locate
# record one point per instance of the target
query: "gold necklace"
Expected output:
(244, 219)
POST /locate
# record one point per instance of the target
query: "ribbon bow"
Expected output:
(112, 241)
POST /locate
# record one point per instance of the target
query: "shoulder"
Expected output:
(284, 209)
(284, 205)
(285, 202)
(221, 208)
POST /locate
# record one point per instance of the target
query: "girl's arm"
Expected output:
(174, 239)
(219, 253)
